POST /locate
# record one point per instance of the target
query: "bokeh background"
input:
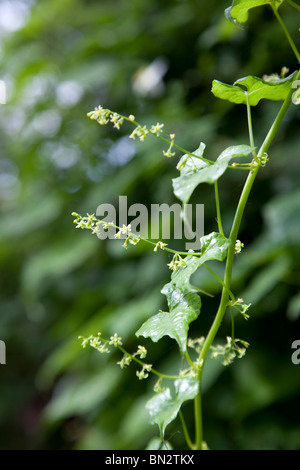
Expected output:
(156, 60)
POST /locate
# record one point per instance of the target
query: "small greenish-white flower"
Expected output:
(240, 305)
(283, 72)
(172, 265)
(116, 340)
(157, 129)
(125, 244)
(168, 153)
(100, 115)
(103, 349)
(84, 341)
(117, 120)
(144, 373)
(230, 350)
(126, 229)
(196, 343)
(238, 246)
(96, 113)
(157, 387)
(134, 239)
(142, 352)
(140, 131)
(160, 245)
(274, 77)
(131, 117)
(187, 372)
(95, 342)
(125, 361)
(181, 164)
(176, 262)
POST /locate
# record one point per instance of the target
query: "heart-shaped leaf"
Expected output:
(163, 407)
(194, 171)
(183, 301)
(239, 10)
(181, 277)
(213, 247)
(253, 89)
(184, 308)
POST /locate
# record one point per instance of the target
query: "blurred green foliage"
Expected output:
(60, 59)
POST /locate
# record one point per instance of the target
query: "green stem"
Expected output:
(250, 129)
(219, 280)
(198, 417)
(293, 4)
(218, 208)
(185, 431)
(232, 323)
(233, 237)
(287, 34)
(188, 358)
(210, 162)
(153, 371)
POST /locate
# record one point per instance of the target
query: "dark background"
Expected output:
(60, 59)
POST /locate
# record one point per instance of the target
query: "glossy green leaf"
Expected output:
(183, 301)
(254, 88)
(240, 8)
(213, 247)
(163, 407)
(184, 308)
(194, 171)
(181, 277)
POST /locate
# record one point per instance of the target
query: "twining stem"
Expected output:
(250, 129)
(218, 208)
(232, 323)
(230, 256)
(293, 4)
(198, 413)
(185, 431)
(287, 34)
(219, 280)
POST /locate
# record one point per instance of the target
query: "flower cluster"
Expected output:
(168, 153)
(104, 116)
(241, 307)
(157, 129)
(95, 342)
(91, 222)
(115, 340)
(141, 132)
(131, 237)
(176, 262)
(160, 245)
(144, 373)
(196, 344)
(230, 350)
(158, 387)
(127, 358)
